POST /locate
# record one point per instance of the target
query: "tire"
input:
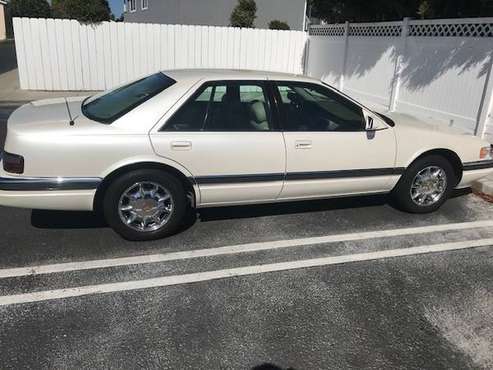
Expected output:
(115, 204)
(402, 193)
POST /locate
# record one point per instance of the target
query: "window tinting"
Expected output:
(112, 105)
(309, 107)
(227, 106)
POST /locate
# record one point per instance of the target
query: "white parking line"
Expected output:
(234, 272)
(241, 248)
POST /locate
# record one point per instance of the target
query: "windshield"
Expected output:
(112, 105)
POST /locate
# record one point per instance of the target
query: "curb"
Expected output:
(484, 186)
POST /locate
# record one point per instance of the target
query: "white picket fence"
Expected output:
(54, 54)
(437, 69)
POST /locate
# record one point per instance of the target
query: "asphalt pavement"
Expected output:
(335, 284)
(8, 59)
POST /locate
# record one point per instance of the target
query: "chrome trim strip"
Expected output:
(48, 183)
(477, 165)
(293, 176)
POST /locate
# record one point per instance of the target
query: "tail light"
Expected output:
(13, 163)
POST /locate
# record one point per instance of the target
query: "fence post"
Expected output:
(344, 55)
(394, 96)
(485, 110)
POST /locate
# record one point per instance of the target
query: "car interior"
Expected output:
(230, 107)
(306, 109)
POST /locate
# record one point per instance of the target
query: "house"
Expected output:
(3, 30)
(212, 12)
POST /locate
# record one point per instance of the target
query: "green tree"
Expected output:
(424, 9)
(244, 14)
(278, 25)
(29, 8)
(337, 11)
(90, 11)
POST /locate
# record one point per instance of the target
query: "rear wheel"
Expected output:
(425, 185)
(145, 205)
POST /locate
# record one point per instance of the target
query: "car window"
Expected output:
(113, 104)
(228, 106)
(310, 107)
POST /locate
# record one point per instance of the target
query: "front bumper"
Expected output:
(473, 171)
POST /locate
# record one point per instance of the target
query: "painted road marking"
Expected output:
(241, 248)
(235, 272)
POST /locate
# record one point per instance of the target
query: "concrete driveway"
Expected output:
(347, 283)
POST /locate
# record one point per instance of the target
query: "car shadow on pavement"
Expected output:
(274, 209)
(319, 205)
(46, 219)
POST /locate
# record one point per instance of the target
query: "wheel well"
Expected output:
(101, 190)
(450, 156)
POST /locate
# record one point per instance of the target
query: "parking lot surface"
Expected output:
(335, 284)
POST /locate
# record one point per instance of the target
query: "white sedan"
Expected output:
(147, 151)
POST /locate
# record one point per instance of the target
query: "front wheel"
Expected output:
(145, 205)
(425, 185)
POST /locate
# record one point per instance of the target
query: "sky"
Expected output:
(116, 7)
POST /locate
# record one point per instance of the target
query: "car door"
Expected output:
(329, 152)
(224, 134)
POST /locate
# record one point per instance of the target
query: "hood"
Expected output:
(412, 122)
(42, 115)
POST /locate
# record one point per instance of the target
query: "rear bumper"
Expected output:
(48, 183)
(73, 194)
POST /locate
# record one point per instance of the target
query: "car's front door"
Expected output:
(329, 152)
(225, 136)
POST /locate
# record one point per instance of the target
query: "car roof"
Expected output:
(232, 74)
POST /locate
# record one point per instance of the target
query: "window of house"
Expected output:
(311, 107)
(227, 106)
(145, 4)
(132, 7)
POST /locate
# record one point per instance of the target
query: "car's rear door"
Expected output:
(329, 153)
(225, 135)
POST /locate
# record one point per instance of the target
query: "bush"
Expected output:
(29, 8)
(278, 25)
(91, 11)
(244, 14)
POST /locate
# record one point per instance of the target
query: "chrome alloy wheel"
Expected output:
(428, 186)
(145, 206)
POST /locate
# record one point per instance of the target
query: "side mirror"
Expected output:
(373, 123)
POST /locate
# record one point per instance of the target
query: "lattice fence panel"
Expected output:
(377, 30)
(332, 30)
(444, 28)
(451, 30)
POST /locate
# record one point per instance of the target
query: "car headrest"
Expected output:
(259, 114)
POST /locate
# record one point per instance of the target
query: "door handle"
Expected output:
(303, 144)
(181, 145)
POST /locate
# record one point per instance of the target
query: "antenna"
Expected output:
(71, 122)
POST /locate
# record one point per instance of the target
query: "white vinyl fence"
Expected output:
(432, 68)
(54, 54)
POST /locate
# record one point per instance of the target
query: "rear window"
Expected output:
(112, 105)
